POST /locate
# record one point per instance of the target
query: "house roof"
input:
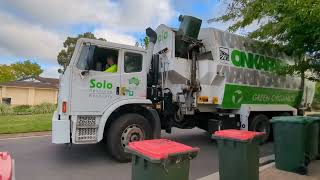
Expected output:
(36, 82)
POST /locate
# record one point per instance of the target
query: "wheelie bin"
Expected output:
(312, 139)
(160, 159)
(6, 166)
(290, 136)
(238, 154)
(318, 120)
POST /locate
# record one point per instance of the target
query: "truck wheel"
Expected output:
(260, 123)
(127, 128)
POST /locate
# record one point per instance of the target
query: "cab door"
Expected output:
(133, 75)
(92, 89)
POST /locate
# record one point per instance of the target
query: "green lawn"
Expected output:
(25, 123)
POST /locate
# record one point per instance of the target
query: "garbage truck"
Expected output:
(187, 77)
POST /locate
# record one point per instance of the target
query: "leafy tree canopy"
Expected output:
(144, 43)
(292, 26)
(19, 70)
(6, 74)
(69, 45)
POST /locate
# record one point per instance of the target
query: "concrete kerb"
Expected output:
(24, 135)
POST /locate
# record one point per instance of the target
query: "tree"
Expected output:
(316, 99)
(6, 74)
(26, 69)
(290, 26)
(19, 70)
(144, 43)
(69, 45)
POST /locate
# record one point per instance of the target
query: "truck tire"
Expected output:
(261, 123)
(126, 128)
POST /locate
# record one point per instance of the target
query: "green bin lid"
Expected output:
(313, 118)
(294, 119)
(314, 115)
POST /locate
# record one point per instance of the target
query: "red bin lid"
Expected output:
(237, 134)
(5, 166)
(158, 149)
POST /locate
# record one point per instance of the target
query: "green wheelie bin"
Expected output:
(317, 116)
(290, 143)
(160, 159)
(238, 154)
(312, 139)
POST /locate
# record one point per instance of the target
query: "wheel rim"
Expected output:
(132, 133)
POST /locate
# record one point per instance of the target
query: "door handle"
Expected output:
(117, 90)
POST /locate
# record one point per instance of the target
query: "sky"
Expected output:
(36, 29)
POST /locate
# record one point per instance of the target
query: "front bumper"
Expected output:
(60, 130)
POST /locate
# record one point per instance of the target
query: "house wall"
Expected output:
(45, 95)
(18, 96)
(28, 95)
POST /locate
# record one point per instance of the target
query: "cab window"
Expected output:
(132, 62)
(98, 59)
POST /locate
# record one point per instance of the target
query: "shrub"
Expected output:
(5, 109)
(22, 109)
(43, 108)
(316, 99)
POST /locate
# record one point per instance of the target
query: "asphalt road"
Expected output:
(37, 159)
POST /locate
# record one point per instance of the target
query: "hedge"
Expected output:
(5, 109)
(42, 108)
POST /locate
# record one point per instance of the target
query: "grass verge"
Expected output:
(25, 123)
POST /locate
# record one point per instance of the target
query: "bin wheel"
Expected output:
(125, 129)
(302, 170)
(260, 123)
(307, 160)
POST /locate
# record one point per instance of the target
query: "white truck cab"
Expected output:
(87, 89)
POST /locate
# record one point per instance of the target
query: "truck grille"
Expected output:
(86, 121)
(86, 134)
(87, 127)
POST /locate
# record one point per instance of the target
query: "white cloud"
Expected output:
(140, 13)
(220, 9)
(113, 36)
(129, 15)
(36, 29)
(50, 72)
(59, 12)
(27, 40)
